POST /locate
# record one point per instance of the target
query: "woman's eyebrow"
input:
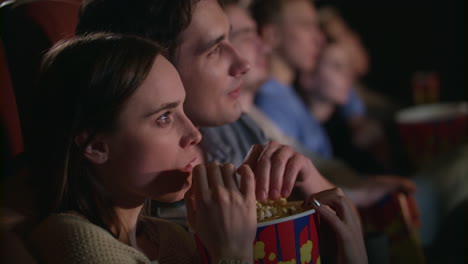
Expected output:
(163, 107)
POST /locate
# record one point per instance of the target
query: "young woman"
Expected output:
(111, 135)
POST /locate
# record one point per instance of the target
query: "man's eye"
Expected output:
(215, 51)
(164, 119)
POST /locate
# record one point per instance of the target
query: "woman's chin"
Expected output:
(174, 196)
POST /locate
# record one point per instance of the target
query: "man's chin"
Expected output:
(223, 117)
(230, 112)
(230, 117)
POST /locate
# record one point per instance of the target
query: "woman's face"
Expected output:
(334, 73)
(152, 150)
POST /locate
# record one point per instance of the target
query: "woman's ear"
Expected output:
(96, 150)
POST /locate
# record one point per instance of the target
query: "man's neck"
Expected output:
(321, 110)
(280, 70)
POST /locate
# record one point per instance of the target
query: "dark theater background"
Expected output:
(403, 37)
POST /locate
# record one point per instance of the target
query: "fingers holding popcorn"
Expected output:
(247, 183)
(227, 224)
(229, 176)
(279, 168)
(279, 175)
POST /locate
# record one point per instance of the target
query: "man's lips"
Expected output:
(234, 94)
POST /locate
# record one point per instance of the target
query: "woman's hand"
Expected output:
(221, 213)
(344, 240)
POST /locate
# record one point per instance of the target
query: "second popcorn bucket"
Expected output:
(291, 239)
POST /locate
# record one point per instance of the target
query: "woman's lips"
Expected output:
(189, 166)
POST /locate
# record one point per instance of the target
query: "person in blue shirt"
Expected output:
(281, 103)
(296, 45)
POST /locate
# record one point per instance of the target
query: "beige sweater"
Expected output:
(66, 238)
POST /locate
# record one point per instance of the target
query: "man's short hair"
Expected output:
(230, 2)
(240, 3)
(159, 20)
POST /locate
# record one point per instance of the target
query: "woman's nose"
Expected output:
(192, 135)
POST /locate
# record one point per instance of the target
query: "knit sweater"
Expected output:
(66, 238)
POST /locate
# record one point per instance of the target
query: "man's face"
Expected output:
(245, 39)
(298, 34)
(210, 68)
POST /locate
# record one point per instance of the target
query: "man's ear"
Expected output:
(96, 150)
(269, 34)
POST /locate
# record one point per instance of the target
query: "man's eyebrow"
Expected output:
(161, 108)
(206, 46)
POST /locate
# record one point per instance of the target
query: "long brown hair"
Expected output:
(83, 85)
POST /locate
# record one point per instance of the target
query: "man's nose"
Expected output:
(240, 66)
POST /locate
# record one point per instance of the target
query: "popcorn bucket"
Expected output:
(430, 130)
(292, 239)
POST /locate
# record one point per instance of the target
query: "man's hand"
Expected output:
(279, 169)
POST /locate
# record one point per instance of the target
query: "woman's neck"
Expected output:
(129, 233)
(280, 70)
(321, 109)
(129, 220)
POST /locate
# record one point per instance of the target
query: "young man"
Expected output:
(195, 34)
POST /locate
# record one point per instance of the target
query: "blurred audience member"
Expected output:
(325, 90)
(247, 42)
(291, 29)
(348, 125)
(336, 28)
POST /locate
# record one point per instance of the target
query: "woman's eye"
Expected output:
(164, 119)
